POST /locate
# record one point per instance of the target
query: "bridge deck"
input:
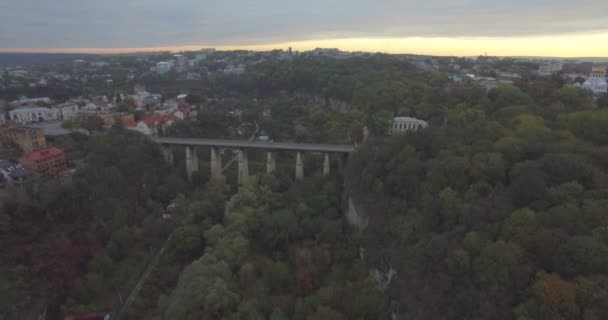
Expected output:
(332, 148)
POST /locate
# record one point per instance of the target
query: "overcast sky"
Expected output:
(142, 23)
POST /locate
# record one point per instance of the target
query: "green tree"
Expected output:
(91, 123)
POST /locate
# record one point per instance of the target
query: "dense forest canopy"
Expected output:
(101, 220)
(498, 214)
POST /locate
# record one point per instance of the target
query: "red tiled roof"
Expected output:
(151, 121)
(129, 123)
(42, 154)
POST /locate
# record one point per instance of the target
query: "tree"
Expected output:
(508, 95)
(575, 98)
(92, 123)
(602, 101)
(581, 255)
(5, 221)
(70, 124)
(187, 240)
(203, 291)
(555, 297)
(357, 132)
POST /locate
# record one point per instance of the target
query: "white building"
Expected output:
(180, 62)
(597, 81)
(67, 111)
(34, 114)
(231, 69)
(550, 67)
(23, 101)
(404, 124)
(141, 127)
(163, 67)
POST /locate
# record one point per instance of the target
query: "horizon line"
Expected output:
(556, 46)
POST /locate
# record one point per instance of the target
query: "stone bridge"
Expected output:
(341, 150)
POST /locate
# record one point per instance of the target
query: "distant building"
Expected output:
(33, 114)
(507, 77)
(487, 82)
(109, 118)
(235, 70)
(180, 62)
(28, 139)
(150, 125)
(193, 76)
(200, 57)
(12, 174)
(29, 102)
(18, 73)
(79, 63)
(46, 162)
(163, 67)
(99, 64)
(67, 111)
(550, 67)
(597, 81)
(404, 124)
(144, 99)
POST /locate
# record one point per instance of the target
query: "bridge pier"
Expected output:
(299, 166)
(216, 164)
(191, 162)
(326, 165)
(271, 162)
(167, 154)
(243, 167)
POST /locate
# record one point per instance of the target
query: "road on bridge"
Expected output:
(331, 148)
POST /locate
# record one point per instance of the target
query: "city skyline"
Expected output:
(436, 27)
(438, 46)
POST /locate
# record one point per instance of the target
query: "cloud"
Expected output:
(139, 23)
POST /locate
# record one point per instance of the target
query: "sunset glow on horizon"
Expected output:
(567, 46)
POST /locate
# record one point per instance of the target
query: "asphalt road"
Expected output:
(332, 148)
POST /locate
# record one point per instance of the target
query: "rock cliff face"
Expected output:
(355, 216)
(378, 266)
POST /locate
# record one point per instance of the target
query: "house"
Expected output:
(109, 118)
(150, 125)
(404, 124)
(33, 115)
(144, 99)
(12, 174)
(175, 112)
(44, 162)
(28, 139)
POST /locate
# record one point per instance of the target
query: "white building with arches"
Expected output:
(404, 124)
(597, 81)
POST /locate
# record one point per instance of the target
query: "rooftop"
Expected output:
(31, 109)
(14, 170)
(42, 154)
(408, 119)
